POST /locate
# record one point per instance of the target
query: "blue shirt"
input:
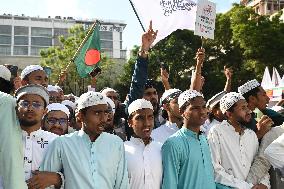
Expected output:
(187, 162)
(88, 165)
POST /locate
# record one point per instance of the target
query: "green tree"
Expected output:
(57, 58)
(244, 41)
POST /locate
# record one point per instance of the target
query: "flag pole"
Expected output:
(137, 15)
(89, 33)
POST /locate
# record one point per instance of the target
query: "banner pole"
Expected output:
(137, 16)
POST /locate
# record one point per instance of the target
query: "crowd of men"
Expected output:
(180, 141)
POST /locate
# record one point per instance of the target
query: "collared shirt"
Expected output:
(232, 155)
(35, 146)
(275, 153)
(11, 148)
(86, 164)
(187, 162)
(261, 164)
(144, 164)
(162, 133)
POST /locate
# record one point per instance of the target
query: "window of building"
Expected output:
(22, 50)
(41, 41)
(275, 7)
(106, 35)
(5, 50)
(21, 40)
(4, 39)
(106, 44)
(21, 30)
(268, 6)
(35, 51)
(120, 44)
(60, 31)
(123, 54)
(45, 32)
(120, 36)
(5, 29)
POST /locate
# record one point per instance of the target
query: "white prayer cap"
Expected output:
(215, 99)
(248, 86)
(90, 99)
(69, 103)
(170, 94)
(5, 73)
(33, 89)
(111, 103)
(58, 107)
(51, 88)
(106, 90)
(186, 96)
(29, 69)
(229, 100)
(138, 105)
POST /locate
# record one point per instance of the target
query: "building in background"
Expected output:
(264, 7)
(22, 37)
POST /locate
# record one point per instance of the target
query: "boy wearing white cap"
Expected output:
(143, 154)
(169, 101)
(233, 146)
(256, 97)
(56, 119)
(90, 158)
(34, 74)
(31, 107)
(186, 156)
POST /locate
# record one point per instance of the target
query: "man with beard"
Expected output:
(143, 154)
(109, 126)
(169, 102)
(31, 107)
(186, 156)
(90, 157)
(11, 155)
(233, 147)
(34, 74)
(256, 97)
(56, 119)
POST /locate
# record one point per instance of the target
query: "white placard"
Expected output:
(205, 19)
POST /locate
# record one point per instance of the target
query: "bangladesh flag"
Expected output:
(89, 57)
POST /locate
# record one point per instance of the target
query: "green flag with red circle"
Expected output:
(89, 57)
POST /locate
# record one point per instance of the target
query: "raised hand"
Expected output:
(228, 72)
(148, 38)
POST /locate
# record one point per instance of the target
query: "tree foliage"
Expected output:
(244, 41)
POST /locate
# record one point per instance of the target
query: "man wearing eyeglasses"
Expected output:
(32, 101)
(56, 119)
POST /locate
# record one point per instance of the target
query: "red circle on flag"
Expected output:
(92, 57)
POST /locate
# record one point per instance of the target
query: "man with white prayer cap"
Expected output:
(54, 94)
(215, 114)
(56, 119)
(143, 154)
(34, 74)
(32, 101)
(72, 119)
(256, 97)
(91, 158)
(186, 156)
(233, 146)
(169, 102)
(5, 84)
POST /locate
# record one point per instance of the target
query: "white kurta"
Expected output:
(162, 133)
(232, 155)
(34, 148)
(206, 127)
(275, 153)
(144, 164)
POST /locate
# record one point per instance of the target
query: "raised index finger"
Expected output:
(150, 26)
